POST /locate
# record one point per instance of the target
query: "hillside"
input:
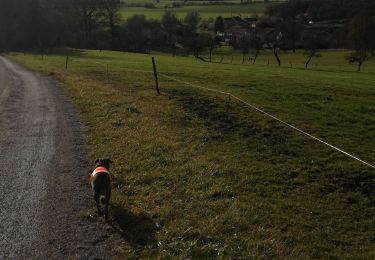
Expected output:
(199, 176)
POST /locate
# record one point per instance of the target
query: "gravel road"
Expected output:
(45, 196)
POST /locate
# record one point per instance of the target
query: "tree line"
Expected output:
(97, 24)
(28, 24)
(31, 24)
(358, 17)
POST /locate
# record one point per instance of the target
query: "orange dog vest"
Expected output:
(98, 170)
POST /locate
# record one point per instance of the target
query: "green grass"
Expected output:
(196, 178)
(330, 60)
(205, 11)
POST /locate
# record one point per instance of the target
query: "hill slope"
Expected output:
(196, 176)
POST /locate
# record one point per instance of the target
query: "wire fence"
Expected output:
(246, 103)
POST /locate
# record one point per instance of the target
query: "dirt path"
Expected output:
(43, 180)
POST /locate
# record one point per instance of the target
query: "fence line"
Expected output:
(194, 85)
(273, 117)
(257, 109)
(127, 69)
(305, 133)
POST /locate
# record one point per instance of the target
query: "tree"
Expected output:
(362, 38)
(156, 33)
(191, 21)
(212, 43)
(24, 24)
(274, 41)
(112, 18)
(288, 12)
(311, 44)
(244, 45)
(200, 43)
(136, 33)
(187, 32)
(7, 7)
(359, 57)
(170, 24)
(90, 14)
(256, 44)
(219, 25)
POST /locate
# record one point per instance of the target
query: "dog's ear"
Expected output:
(97, 160)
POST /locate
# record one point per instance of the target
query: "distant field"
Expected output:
(198, 176)
(164, 3)
(206, 11)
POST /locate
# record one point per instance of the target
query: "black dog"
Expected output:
(101, 184)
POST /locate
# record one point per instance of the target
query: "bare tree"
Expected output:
(361, 36)
(359, 57)
(256, 45)
(311, 48)
(274, 41)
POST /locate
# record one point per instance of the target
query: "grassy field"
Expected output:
(329, 60)
(196, 176)
(205, 11)
(163, 3)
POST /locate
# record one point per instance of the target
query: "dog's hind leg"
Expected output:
(107, 199)
(97, 200)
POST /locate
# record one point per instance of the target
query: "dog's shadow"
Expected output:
(138, 230)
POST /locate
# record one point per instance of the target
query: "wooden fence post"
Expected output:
(156, 76)
(228, 105)
(66, 62)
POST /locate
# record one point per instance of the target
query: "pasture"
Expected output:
(199, 176)
(205, 11)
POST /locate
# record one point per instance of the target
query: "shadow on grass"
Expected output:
(71, 52)
(58, 51)
(138, 229)
(230, 118)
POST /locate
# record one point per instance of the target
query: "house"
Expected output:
(234, 27)
(234, 23)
